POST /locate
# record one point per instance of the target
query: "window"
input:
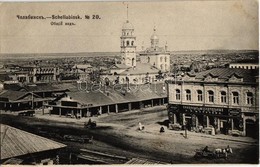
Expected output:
(148, 60)
(132, 43)
(223, 97)
(199, 92)
(165, 59)
(178, 94)
(127, 43)
(166, 67)
(249, 98)
(188, 95)
(235, 97)
(161, 59)
(211, 96)
(161, 66)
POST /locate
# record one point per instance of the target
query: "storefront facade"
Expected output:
(223, 99)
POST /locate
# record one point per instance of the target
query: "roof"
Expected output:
(226, 73)
(154, 51)
(141, 68)
(120, 66)
(16, 142)
(94, 98)
(12, 95)
(143, 161)
(119, 95)
(82, 66)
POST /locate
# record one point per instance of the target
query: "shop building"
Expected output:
(222, 98)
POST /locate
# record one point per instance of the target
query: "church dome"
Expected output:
(128, 26)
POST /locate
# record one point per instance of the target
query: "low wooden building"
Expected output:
(21, 147)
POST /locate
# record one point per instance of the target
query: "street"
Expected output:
(118, 134)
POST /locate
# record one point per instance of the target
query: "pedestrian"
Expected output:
(162, 129)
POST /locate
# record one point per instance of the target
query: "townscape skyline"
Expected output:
(192, 28)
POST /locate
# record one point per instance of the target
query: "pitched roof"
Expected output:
(141, 68)
(119, 66)
(119, 95)
(226, 73)
(94, 98)
(12, 95)
(16, 142)
(82, 66)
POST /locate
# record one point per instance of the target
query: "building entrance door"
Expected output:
(224, 127)
(188, 122)
(250, 128)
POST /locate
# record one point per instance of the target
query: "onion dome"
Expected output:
(128, 26)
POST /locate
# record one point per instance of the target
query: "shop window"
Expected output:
(178, 94)
(188, 95)
(199, 92)
(223, 97)
(249, 98)
(235, 97)
(211, 96)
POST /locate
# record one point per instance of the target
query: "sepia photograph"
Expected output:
(129, 83)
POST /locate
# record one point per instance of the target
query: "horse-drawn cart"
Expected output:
(217, 153)
(90, 124)
(204, 154)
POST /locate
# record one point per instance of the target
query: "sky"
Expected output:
(185, 25)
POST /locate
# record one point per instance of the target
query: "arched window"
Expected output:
(188, 95)
(132, 43)
(123, 43)
(249, 98)
(223, 97)
(211, 96)
(165, 59)
(161, 66)
(127, 43)
(199, 92)
(235, 97)
(165, 66)
(178, 94)
(148, 60)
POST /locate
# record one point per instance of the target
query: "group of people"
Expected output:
(141, 127)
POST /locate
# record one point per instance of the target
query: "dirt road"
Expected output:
(117, 134)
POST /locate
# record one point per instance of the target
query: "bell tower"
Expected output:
(128, 46)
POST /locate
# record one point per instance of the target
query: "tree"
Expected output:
(160, 75)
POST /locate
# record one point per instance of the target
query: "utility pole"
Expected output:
(186, 134)
(32, 100)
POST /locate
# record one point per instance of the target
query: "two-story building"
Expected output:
(223, 98)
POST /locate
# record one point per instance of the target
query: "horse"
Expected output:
(223, 151)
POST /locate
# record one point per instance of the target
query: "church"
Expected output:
(153, 65)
